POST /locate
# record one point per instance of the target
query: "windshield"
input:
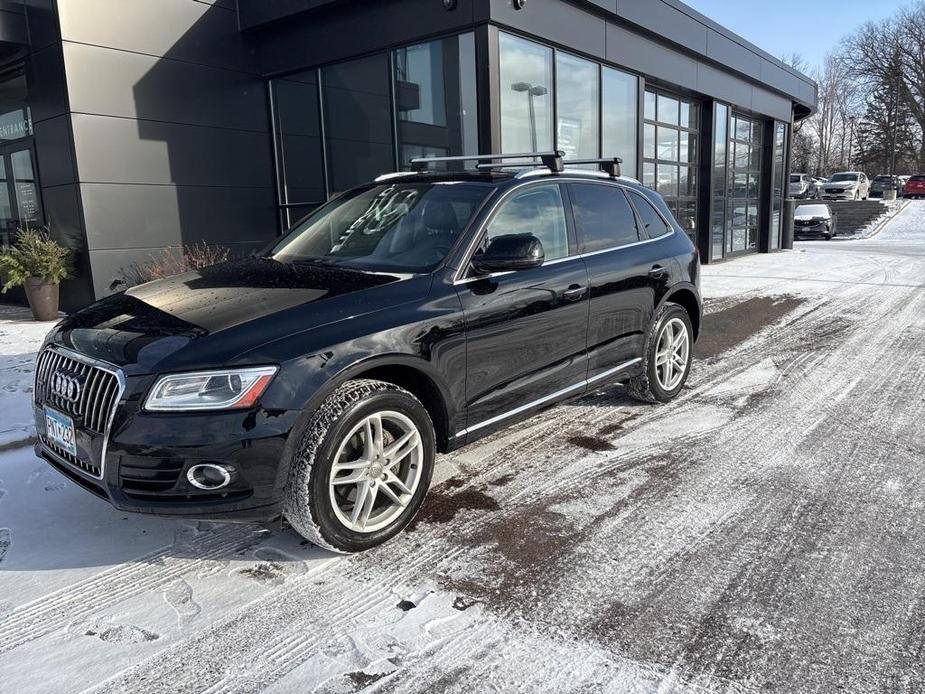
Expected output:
(917, 178)
(386, 228)
(883, 179)
(812, 211)
(844, 177)
(796, 179)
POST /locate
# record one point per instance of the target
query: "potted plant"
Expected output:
(39, 263)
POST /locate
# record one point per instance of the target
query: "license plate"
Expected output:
(59, 428)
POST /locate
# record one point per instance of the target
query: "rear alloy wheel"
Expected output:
(668, 356)
(362, 468)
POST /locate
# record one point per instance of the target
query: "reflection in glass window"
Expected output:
(745, 191)
(357, 121)
(780, 170)
(526, 95)
(435, 99)
(668, 109)
(603, 217)
(619, 99)
(720, 130)
(539, 211)
(670, 141)
(578, 130)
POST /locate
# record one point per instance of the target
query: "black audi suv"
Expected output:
(317, 380)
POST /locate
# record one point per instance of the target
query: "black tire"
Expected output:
(308, 506)
(646, 387)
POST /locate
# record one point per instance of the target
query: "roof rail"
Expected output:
(610, 165)
(551, 160)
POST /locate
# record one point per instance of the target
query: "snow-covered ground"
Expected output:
(20, 337)
(762, 533)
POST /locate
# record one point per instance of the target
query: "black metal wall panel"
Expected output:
(54, 150)
(117, 150)
(556, 21)
(174, 215)
(665, 20)
(186, 30)
(348, 30)
(111, 82)
(47, 83)
(637, 52)
(64, 219)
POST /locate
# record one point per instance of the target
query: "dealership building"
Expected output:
(128, 126)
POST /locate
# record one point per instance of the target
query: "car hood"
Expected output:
(840, 185)
(212, 315)
(810, 218)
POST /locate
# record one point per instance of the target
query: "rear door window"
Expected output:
(652, 222)
(603, 217)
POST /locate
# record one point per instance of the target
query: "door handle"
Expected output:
(574, 293)
(657, 272)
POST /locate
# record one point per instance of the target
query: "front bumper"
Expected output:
(839, 195)
(148, 455)
(813, 231)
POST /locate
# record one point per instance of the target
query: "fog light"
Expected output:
(209, 476)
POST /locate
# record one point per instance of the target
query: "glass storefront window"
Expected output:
(745, 175)
(777, 202)
(578, 129)
(297, 120)
(619, 99)
(357, 121)
(670, 140)
(436, 99)
(718, 222)
(526, 95)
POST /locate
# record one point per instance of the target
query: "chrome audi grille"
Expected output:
(97, 390)
(83, 390)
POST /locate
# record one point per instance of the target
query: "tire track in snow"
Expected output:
(107, 588)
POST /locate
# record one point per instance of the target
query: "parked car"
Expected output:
(819, 183)
(848, 185)
(813, 221)
(881, 184)
(411, 315)
(903, 180)
(803, 187)
(915, 187)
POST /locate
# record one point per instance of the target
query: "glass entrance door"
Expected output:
(20, 201)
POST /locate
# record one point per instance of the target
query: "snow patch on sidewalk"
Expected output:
(20, 338)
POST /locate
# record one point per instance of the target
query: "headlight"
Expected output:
(210, 390)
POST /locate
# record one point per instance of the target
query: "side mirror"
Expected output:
(508, 253)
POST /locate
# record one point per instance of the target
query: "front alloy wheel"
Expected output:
(361, 468)
(376, 471)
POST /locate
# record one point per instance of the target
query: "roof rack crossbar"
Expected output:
(553, 160)
(611, 165)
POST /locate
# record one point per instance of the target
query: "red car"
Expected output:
(915, 187)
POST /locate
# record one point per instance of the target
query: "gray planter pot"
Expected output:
(43, 298)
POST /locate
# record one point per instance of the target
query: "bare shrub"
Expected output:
(173, 260)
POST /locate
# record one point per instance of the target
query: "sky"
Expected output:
(782, 27)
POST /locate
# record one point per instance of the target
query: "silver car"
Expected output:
(847, 185)
(803, 187)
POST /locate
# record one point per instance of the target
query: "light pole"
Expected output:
(532, 91)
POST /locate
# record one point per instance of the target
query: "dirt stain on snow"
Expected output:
(591, 443)
(442, 507)
(729, 327)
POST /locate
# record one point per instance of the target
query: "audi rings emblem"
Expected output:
(66, 386)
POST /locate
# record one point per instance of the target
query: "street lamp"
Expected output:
(532, 92)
